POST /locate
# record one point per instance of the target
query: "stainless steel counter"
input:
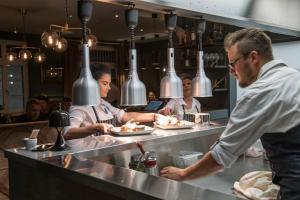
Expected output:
(90, 167)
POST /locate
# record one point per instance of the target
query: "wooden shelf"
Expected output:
(196, 46)
(195, 67)
(220, 90)
(220, 67)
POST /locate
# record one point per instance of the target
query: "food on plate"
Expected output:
(132, 127)
(171, 121)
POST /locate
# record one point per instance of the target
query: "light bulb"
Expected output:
(92, 41)
(25, 55)
(11, 56)
(39, 57)
(49, 39)
(61, 45)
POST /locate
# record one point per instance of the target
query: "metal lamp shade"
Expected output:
(171, 84)
(133, 91)
(201, 85)
(85, 88)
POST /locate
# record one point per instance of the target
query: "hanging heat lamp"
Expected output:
(133, 91)
(171, 84)
(85, 88)
(201, 85)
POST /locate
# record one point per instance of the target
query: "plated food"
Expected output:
(132, 128)
(171, 122)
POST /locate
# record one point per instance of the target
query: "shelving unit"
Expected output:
(216, 69)
(220, 104)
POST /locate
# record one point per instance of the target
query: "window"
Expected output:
(13, 82)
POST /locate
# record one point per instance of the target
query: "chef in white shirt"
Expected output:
(185, 105)
(88, 120)
(269, 110)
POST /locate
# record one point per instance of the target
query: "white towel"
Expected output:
(257, 185)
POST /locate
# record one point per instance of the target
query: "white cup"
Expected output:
(30, 143)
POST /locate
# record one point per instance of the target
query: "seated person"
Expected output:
(66, 103)
(33, 109)
(151, 96)
(6, 119)
(188, 104)
(45, 109)
(88, 120)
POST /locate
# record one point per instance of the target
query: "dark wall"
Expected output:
(152, 58)
(53, 59)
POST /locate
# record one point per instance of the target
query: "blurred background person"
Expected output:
(151, 96)
(66, 103)
(186, 105)
(5, 119)
(33, 109)
(45, 108)
(113, 95)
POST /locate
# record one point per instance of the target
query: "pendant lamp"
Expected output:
(85, 88)
(171, 84)
(133, 91)
(201, 85)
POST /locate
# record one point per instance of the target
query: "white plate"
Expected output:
(170, 127)
(117, 131)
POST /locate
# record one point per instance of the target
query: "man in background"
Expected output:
(33, 109)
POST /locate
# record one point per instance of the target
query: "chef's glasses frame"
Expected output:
(232, 64)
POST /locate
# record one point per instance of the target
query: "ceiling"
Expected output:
(42, 13)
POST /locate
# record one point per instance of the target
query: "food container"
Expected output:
(186, 158)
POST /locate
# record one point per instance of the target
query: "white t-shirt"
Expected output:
(179, 107)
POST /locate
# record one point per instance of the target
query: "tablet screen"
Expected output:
(154, 105)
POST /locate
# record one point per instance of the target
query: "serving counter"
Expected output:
(93, 170)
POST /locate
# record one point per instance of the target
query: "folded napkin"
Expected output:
(257, 185)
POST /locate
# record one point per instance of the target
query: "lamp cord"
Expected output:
(67, 11)
(170, 39)
(84, 32)
(132, 43)
(23, 13)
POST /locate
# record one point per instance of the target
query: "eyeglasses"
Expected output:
(233, 63)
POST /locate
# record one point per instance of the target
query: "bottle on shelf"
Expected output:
(187, 61)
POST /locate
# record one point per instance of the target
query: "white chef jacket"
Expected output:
(269, 105)
(81, 116)
(179, 107)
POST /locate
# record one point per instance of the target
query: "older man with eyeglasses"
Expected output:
(269, 110)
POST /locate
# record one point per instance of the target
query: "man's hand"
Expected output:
(173, 173)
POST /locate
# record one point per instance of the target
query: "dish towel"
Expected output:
(257, 185)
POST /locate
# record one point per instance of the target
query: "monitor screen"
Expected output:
(154, 105)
